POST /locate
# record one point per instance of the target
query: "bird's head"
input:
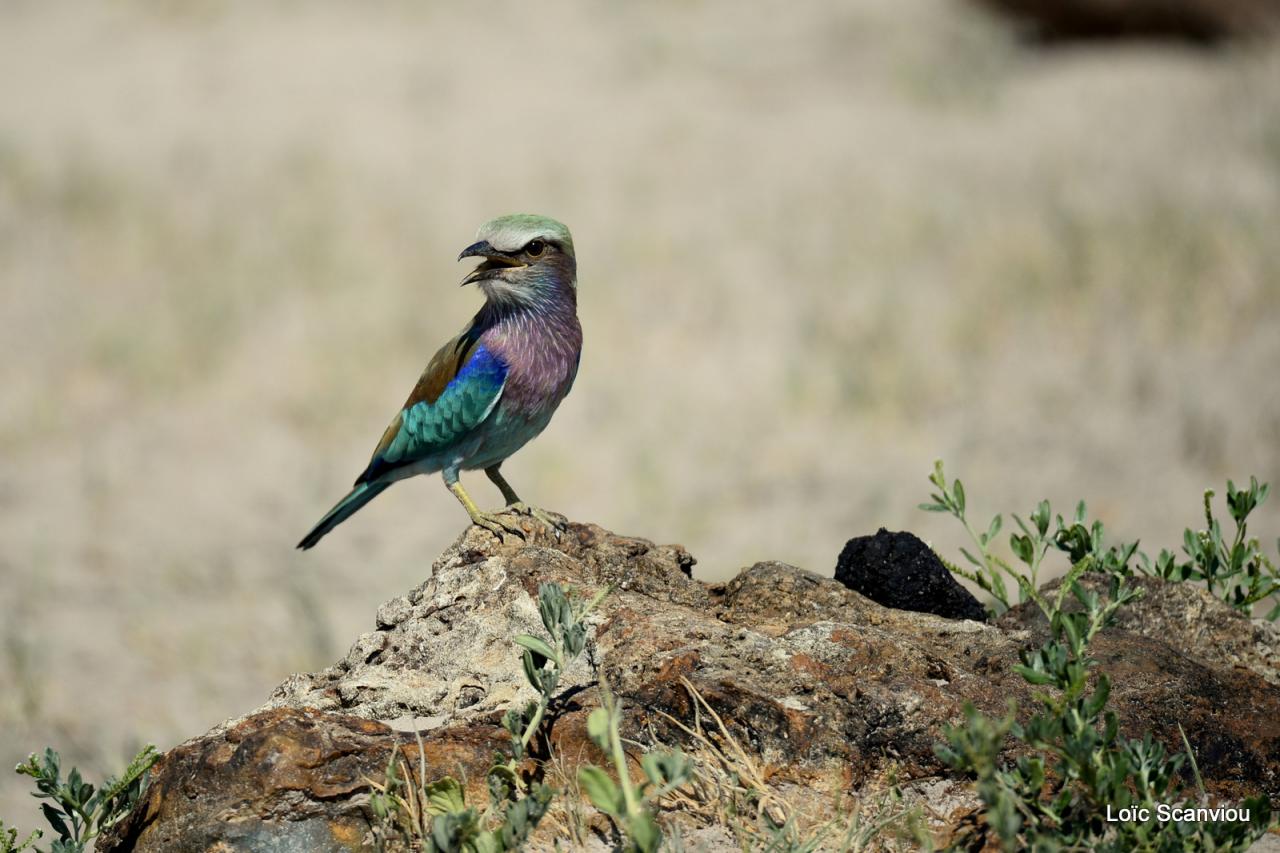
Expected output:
(526, 258)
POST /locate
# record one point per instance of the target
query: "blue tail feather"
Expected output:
(344, 509)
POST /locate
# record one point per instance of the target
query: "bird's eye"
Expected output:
(535, 248)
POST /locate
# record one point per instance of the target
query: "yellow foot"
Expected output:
(495, 524)
(558, 523)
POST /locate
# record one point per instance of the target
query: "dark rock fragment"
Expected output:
(900, 571)
(1202, 22)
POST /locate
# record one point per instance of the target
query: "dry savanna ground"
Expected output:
(821, 245)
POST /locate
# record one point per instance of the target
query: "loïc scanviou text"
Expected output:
(1165, 813)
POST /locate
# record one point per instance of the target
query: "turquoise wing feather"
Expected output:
(435, 418)
(456, 393)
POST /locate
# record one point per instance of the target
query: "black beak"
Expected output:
(477, 250)
(494, 260)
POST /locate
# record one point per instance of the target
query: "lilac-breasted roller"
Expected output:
(495, 386)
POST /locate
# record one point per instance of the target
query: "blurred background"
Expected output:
(821, 244)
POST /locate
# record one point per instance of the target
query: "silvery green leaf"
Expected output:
(603, 792)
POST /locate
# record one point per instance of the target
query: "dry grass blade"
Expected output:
(724, 748)
(726, 777)
(567, 815)
(407, 819)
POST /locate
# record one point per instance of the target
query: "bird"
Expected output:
(492, 388)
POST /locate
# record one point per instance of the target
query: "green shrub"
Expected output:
(1084, 543)
(1239, 573)
(78, 811)
(1076, 769)
(9, 840)
(1237, 570)
(1079, 770)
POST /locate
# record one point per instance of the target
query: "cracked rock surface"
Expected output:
(825, 688)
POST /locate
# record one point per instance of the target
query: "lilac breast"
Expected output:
(541, 350)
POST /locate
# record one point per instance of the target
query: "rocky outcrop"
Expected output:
(825, 689)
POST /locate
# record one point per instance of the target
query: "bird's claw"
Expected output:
(557, 523)
(496, 525)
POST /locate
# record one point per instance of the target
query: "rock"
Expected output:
(1199, 21)
(825, 690)
(898, 570)
(393, 612)
(450, 650)
(282, 780)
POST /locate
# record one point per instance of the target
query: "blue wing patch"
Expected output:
(427, 428)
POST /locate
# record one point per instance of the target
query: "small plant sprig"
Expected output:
(9, 840)
(435, 815)
(435, 818)
(989, 569)
(1237, 570)
(78, 811)
(624, 800)
(1051, 799)
(564, 616)
(1084, 543)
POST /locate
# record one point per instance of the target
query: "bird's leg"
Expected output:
(508, 494)
(488, 520)
(516, 505)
